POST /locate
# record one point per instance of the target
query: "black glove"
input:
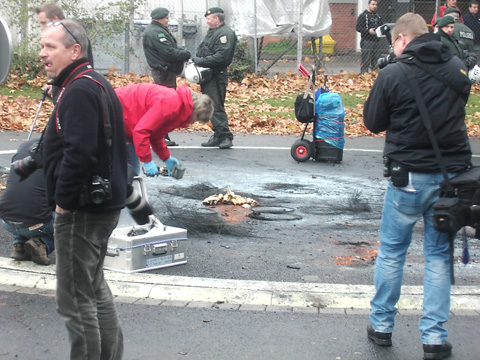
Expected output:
(198, 61)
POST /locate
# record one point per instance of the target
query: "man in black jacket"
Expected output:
(367, 22)
(24, 211)
(85, 166)
(416, 176)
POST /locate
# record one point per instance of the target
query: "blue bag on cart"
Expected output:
(329, 126)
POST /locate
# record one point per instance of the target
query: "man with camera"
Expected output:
(85, 166)
(24, 211)
(415, 174)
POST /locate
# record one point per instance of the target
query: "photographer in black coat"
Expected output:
(85, 166)
(414, 186)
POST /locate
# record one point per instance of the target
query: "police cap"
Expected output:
(159, 13)
(214, 10)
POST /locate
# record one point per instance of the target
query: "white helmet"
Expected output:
(474, 74)
(197, 74)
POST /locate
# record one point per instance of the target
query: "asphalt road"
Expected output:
(31, 330)
(331, 241)
(328, 232)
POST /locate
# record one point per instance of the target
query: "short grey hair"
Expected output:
(202, 107)
(79, 33)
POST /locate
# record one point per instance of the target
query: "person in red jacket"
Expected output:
(150, 112)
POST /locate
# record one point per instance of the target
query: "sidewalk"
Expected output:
(157, 289)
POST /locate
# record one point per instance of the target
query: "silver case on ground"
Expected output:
(157, 246)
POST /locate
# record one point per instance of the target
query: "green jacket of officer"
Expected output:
(159, 45)
(216, 50)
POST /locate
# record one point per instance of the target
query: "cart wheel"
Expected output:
(302, 150)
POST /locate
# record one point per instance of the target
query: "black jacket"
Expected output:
(391, 106)
(74, 147)
(25, 201)
(161, 50)
(365, 21)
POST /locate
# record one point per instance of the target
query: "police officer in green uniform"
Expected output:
(162, 53)
(461, 32)
(216, 52)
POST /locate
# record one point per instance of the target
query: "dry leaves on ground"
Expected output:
(246, 106)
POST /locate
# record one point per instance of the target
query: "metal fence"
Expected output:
(274, 50)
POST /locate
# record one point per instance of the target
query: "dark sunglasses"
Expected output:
(56, 23)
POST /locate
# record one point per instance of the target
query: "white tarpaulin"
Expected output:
(310, 18)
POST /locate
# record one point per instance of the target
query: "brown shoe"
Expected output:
(19, 253)
(38, 251)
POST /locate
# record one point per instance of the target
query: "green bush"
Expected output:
(242, 63)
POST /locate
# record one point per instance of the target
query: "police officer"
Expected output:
(216, 52)
(461, 32)
(162, 53)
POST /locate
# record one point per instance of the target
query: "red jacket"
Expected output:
(150, 112)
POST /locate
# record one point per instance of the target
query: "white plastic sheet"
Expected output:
(309, 18)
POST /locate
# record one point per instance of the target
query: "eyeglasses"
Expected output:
(56, 23)
(398, 37)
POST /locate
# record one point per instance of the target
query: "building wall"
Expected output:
(344, 18)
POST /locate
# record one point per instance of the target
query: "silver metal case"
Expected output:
(133, 248)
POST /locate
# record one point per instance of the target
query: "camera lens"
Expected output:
(24, 167)
(97, 196)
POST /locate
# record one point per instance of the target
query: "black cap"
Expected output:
(214, 10)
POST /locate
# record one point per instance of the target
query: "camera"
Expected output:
(385, 30)
(139, 208)
(27, 166)
(384, 61)
(97, 192)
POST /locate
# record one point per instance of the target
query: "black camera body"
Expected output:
(97, 192)
(27, 166)
(384, 61)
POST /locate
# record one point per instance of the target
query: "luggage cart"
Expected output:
(320, 148)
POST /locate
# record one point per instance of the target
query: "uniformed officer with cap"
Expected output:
(445, 27)
(461, 32)
(216, 52)
(162, 53)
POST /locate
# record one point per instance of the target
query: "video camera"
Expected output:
(385, 30)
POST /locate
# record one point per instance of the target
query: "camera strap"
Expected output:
(426, 120)
(107, 124)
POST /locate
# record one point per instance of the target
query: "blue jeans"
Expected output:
(403, 207)
(21, 235)
(132, 157)
(83, 297)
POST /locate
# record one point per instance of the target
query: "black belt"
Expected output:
(22, 225)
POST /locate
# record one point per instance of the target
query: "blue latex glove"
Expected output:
(151, 169)
(170, 163)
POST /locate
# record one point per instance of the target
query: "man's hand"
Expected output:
(59, 210)
(151, 169)
(198, 60)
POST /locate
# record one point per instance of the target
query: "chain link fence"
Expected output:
(280, 33)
